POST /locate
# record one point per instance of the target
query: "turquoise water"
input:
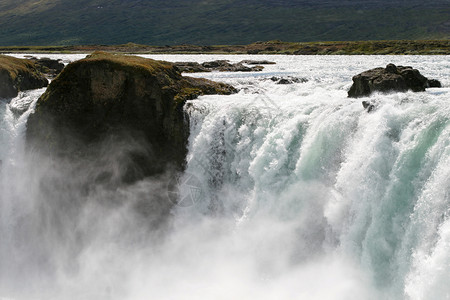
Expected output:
(297, 193)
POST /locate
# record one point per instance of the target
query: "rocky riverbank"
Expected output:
(397, 47)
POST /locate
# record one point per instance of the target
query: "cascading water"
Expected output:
(295, 192)
(15, 202)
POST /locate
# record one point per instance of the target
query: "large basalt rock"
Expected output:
(19, 75)
(125, 100)
(389, 79)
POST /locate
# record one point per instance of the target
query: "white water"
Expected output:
(304, 195)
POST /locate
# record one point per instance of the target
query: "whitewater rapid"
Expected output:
(295, 192)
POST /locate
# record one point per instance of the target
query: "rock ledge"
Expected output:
(19, 75)
(120, 98)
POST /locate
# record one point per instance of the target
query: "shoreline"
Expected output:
(394, 47)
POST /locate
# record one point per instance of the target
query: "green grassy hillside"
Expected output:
(212, 22)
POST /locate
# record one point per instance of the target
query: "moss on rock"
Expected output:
(114, 95)
(18, 75)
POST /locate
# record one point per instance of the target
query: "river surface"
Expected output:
(290, 192)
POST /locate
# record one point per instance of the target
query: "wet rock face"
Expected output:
(127, 100)
(19, 75)
(390, 79)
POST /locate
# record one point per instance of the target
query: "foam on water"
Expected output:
(299, 193)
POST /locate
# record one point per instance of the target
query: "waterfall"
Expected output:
(373, 187)
(290, 192)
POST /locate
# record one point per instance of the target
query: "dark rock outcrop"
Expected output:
(48, 66)
(368, 106)
(434, 83)
(389, 79)
(288, 80)
(225, 66)
(217, 65)
(191, 67)
(19, 75)
(257, 62)
(133, 102)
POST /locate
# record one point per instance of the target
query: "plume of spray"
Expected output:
(278, 201)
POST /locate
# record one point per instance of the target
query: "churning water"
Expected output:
(290, 192)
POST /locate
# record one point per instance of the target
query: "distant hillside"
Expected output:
(214, 22)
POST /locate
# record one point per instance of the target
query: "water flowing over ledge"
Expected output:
(295, 192)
